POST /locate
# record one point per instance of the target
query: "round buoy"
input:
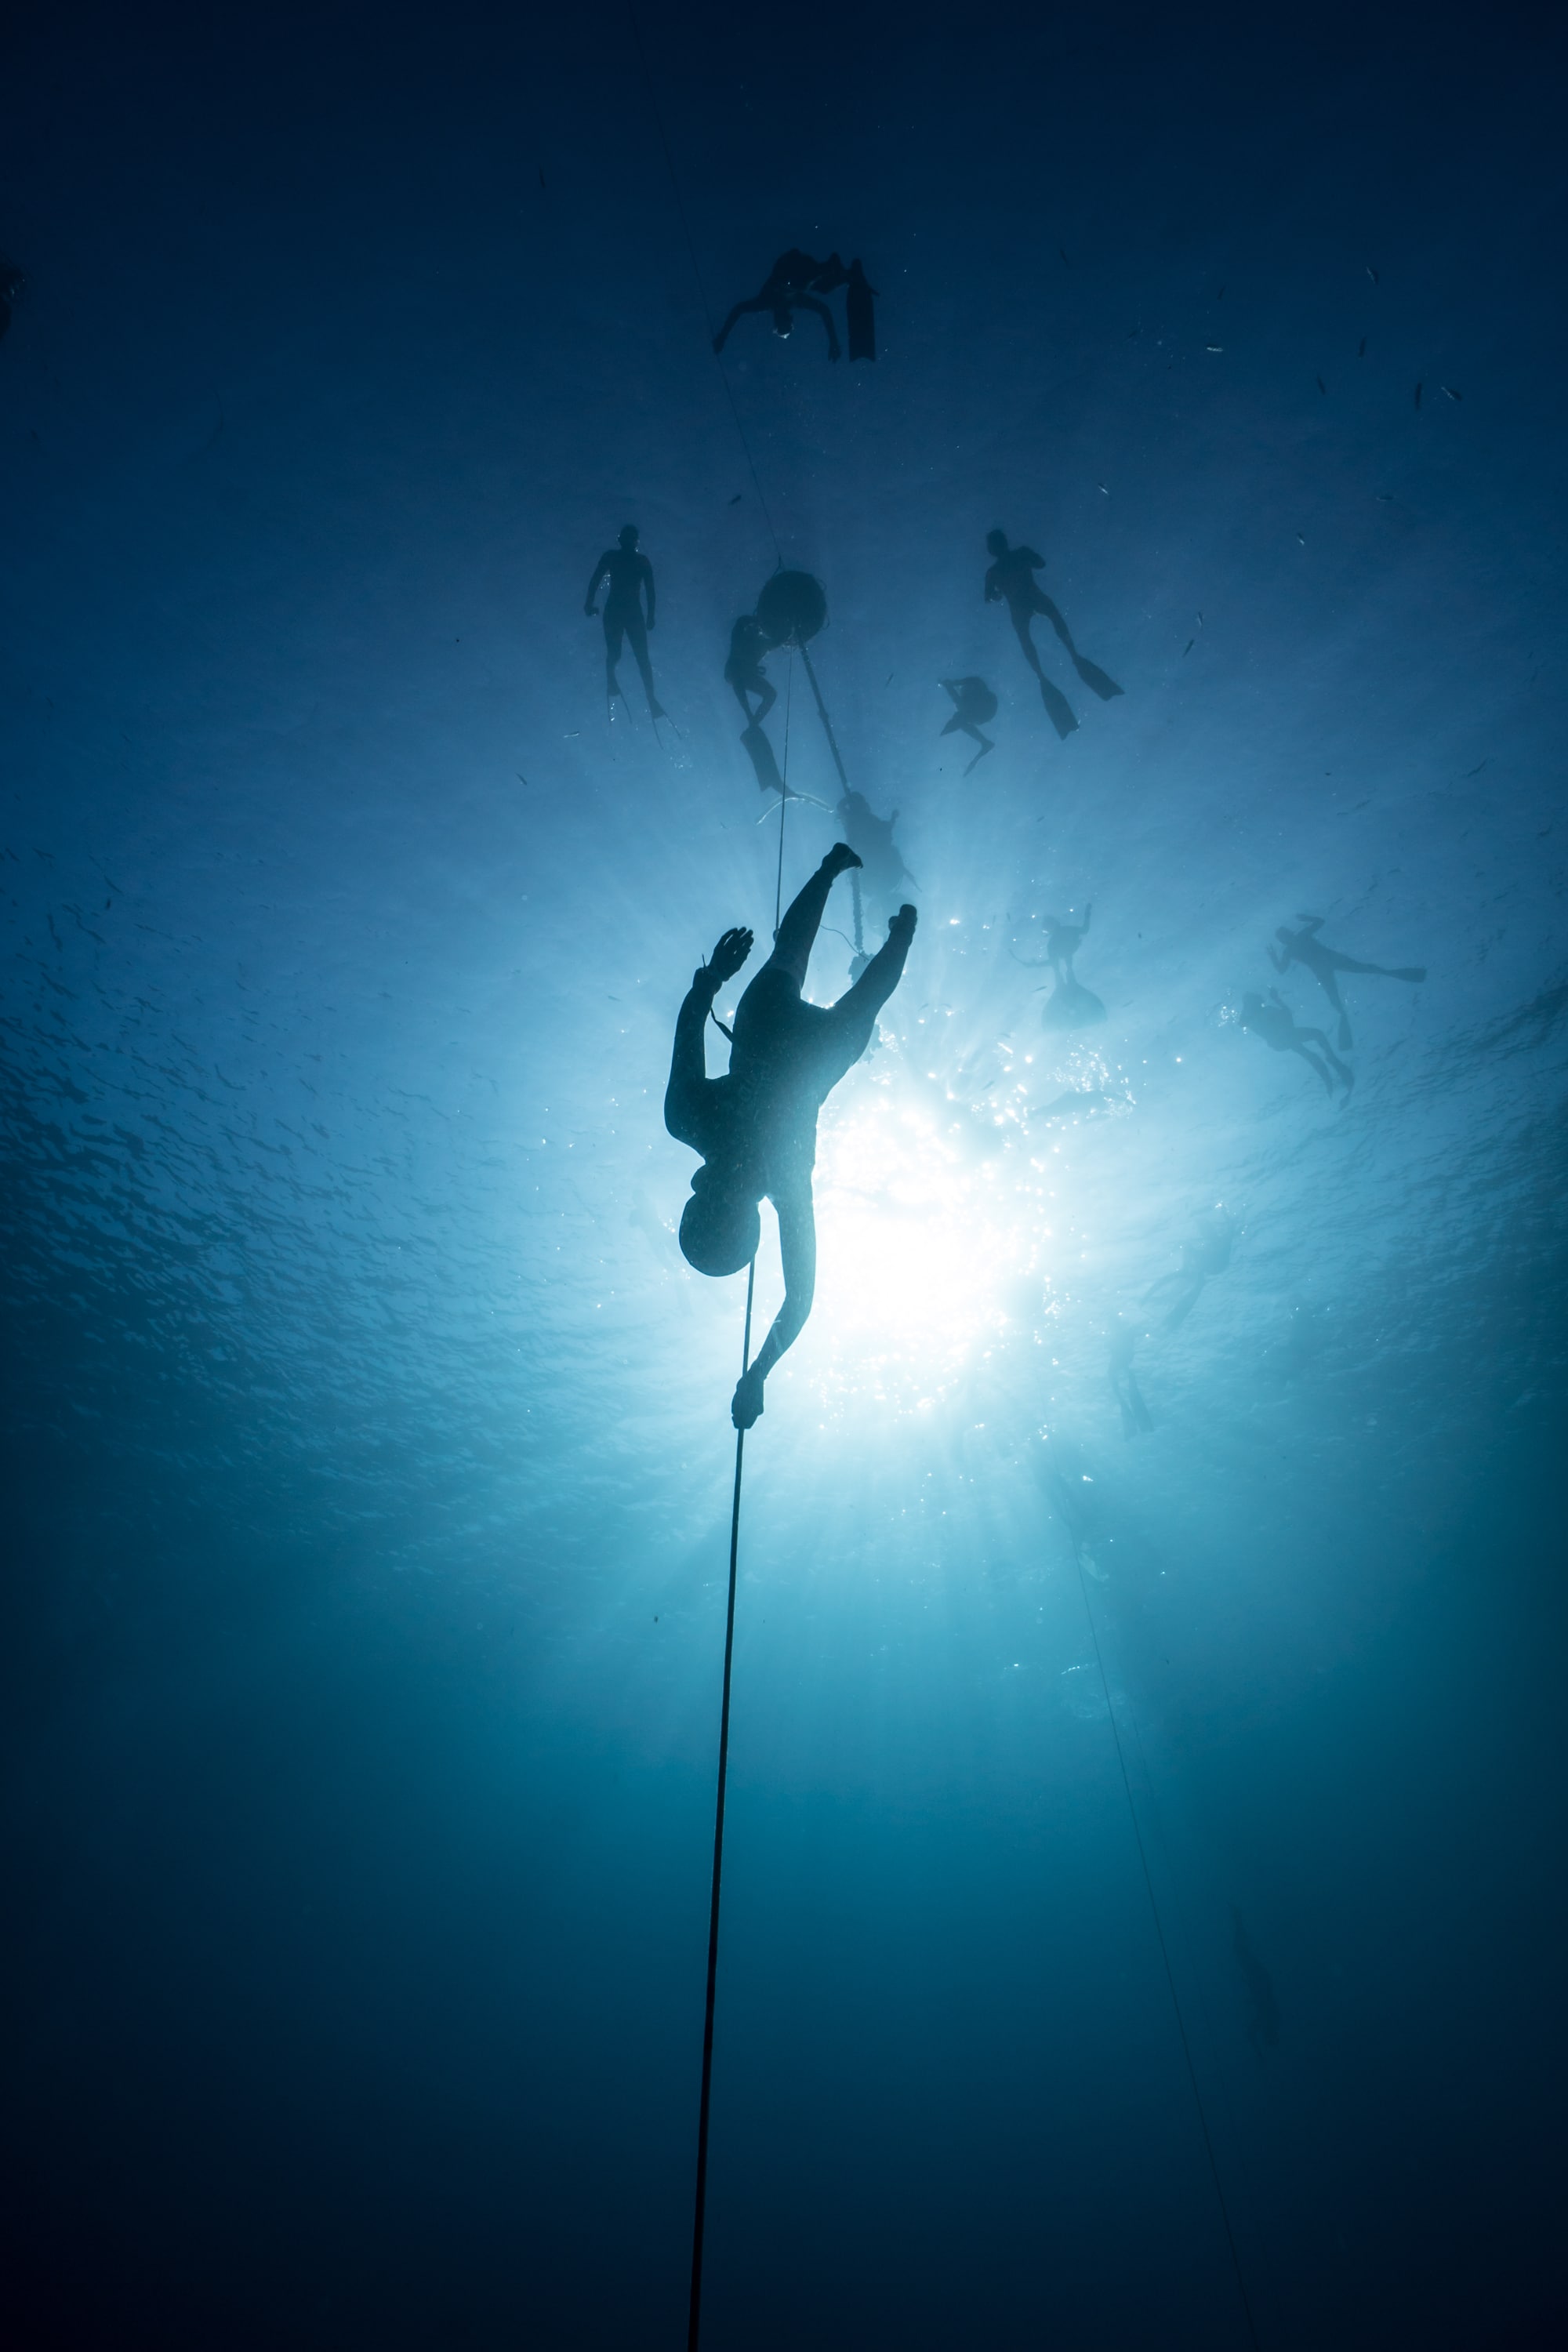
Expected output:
(792, 608)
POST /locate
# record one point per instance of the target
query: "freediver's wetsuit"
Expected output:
(757, 1126)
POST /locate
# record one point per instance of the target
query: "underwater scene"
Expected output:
(783, 1026)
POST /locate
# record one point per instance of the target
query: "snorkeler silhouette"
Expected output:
(1276, 1024)
(1205, 1255)
(882, 872)
(12, 281)
(1135, 1414)
(1070, 1005)
(975, 703)
(1011, 580)
(628, 573)
(756, 1128)
(1263, 2022)
(1305, 948)
(796, 282)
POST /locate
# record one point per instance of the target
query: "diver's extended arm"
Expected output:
(798, 1247)
(689, 1062)
(758, 302)
(596, 579)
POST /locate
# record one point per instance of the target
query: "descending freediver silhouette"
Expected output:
(973, 704)
(1276, 1024)
(629, 575)
(1203, 1255)
(1070, 1005)
(1011, 581)
(756, 1128)
(1305, 948)
(1263, 2019)
(796, 282)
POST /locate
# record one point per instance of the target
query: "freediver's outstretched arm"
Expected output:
(689, 1062)
(798, 1247)
(1311, 922)
(599, 574)
(646, 576)
(757, 302)
(1278, 957)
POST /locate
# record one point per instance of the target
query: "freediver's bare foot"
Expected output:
(840, 858)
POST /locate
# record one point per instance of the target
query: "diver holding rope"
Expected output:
(756, 1128)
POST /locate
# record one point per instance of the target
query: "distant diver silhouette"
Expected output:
(1136, 1418)
(975, 703)
(1011, 580)
(12, 281)
(629, 575)
(749, 642)
(796, 282)
(1206, 1254)
(1305, 948)
(1276, 1024)
(1263, 2019)
(756, 1128)
(882, 873)
(1070, 1005)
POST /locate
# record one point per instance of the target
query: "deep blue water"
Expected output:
(1132, 1840)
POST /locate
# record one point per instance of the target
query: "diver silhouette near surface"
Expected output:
(1070, 1005)
(1325, 963)
(796, 282)
(974, 705)
(629, 575)
(1276, 1024)
(1011, 581)
(1205, 1255)
(756, 1128)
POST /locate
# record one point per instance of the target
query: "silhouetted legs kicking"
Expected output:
(1276, 1024)
(1305, 948)
(629, 624)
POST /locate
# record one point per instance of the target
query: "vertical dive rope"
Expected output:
(844, 780)
(783, 796)
(694, 2313)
